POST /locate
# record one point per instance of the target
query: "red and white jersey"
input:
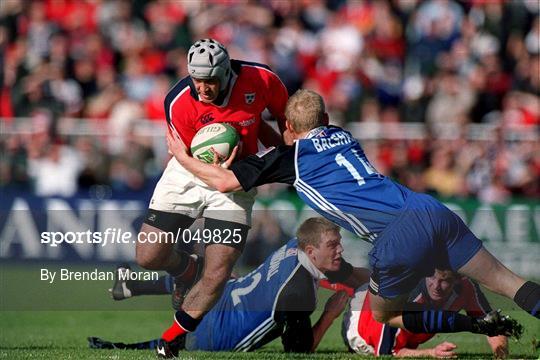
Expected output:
(363, 334)
(253, 88)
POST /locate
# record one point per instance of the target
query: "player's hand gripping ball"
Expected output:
(220, 137)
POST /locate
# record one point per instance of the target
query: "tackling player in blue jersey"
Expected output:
(411, 233)
(276, 299)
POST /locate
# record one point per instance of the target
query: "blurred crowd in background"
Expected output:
(101, 66)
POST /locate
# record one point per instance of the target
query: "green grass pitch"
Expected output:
(71, 311)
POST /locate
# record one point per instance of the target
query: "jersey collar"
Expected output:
(315, 132)
(304, 260)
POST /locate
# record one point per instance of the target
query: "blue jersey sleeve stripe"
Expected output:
(335, 213)
(251, 338)
(309, 192)
(297, 145)
(253, 343)
(350, 219)
(321, 202)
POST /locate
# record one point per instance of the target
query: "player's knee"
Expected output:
(147, 262)
(382, 316)
(150, 259)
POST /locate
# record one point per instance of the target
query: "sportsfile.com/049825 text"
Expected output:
(117, 236)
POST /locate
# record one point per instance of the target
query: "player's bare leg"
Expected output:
(388, 311)
(155, 248)
(396, 312)
(219, 262)
(483, 267)
(490, 272)
(156, 255)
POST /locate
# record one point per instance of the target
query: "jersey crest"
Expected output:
(250, 98)
(206, 118)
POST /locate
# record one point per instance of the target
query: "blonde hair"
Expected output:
(305, 110)
(310, 231)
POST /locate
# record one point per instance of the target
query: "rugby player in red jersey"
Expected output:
(445, 290)
(217, 90)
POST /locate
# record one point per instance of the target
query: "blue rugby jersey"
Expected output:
(333, 176)
(253, 309)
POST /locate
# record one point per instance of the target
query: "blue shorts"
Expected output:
(425, 235)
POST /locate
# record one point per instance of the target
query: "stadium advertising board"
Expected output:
(84, 229)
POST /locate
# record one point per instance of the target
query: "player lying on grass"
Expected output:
(412, 233)
(276, 299)
(445, 290)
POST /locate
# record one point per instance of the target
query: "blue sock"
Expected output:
(436, 321)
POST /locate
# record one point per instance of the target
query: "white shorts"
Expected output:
(179, 191)
(349, 326)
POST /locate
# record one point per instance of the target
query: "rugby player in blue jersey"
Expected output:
(276, 299)
(412, 233)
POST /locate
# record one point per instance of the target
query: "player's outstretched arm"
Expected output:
(220, 178)
(499, 346)
(333, 308)
(443, 350)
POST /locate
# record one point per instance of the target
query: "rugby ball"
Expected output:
(221, 137)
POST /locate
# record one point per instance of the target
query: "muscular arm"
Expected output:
(297, 336)
(498, 344)
(445, 349)
(405, 352)
(333, 308)
(217, 177)
(276, 165)
(221, 179)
